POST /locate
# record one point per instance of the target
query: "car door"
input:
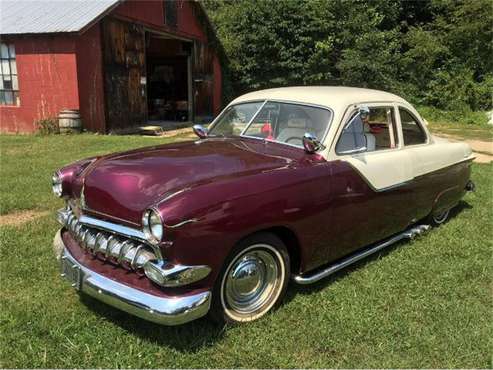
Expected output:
(422, 155)
(371, 177)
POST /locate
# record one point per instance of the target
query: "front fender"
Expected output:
(204, 223)
(71, 172)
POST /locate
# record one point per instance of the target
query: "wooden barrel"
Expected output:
(69, 121)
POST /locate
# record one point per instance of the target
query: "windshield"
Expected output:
(234, 119)
(276, 121)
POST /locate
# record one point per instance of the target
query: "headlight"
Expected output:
(153, 226)
(56, 185)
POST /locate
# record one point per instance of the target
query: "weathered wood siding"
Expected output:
(124, 67)
(203, 81)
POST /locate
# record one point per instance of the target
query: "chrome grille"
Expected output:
(114, 248)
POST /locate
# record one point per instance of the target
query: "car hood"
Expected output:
(123, 185)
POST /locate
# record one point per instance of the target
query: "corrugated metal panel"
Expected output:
(49, 16)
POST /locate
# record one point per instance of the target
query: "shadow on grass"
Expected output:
(462, 205)
(189, 337)
(195, 335)
(319, 285)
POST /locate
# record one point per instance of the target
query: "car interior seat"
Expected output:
(294, 131)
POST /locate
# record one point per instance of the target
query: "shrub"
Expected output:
(460, 117)
(47, 126)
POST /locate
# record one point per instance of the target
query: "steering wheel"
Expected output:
(294, 138)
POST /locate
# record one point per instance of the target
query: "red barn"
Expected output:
(121, 63)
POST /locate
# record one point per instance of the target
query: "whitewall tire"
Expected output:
(253, 280)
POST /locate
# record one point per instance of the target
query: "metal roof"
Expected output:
(49, 16)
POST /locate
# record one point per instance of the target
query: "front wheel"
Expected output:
(253, 280)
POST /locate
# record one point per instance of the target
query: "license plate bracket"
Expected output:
(71, 272)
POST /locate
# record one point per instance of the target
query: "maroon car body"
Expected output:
(214, 192)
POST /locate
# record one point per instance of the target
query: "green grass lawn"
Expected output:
(425, 303)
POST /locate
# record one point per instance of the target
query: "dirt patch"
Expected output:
(20, 218)
(483, 158)
(180, 131)
(481, 146)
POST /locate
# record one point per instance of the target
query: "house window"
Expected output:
(170, 13)
(9, 83)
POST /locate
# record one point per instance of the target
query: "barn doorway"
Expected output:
(169, 81)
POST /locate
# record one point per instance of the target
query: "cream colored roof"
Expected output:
(335, 97)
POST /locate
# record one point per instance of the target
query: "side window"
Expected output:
(412, 132)
(369, 130)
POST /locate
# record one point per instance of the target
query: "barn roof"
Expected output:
(27, 17)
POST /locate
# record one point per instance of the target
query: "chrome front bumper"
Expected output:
(165, 311)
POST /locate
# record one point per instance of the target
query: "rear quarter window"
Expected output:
(412, 132)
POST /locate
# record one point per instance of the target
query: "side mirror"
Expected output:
(364, 112)
(200, 131)
(311, 143)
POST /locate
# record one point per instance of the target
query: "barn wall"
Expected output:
(47, 71)
(151, 13)
(62, 71)
(217, 102)
(90, 81)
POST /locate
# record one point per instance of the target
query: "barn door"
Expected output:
(124, 74)
(203, 87)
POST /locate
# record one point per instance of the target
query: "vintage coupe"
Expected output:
(286, 183)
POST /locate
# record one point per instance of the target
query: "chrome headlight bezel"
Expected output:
(152, 226)
(56, 184)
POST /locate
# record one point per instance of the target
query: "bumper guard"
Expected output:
(165, 311)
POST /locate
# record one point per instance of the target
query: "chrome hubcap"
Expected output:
(253, 281)
(440, 218)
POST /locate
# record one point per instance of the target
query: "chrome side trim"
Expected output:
(179, 224)
(164, 311)
(319, 275)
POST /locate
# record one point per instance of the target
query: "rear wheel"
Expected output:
(436, 219)
(253, 280)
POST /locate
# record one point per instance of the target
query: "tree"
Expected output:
(436, 52)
